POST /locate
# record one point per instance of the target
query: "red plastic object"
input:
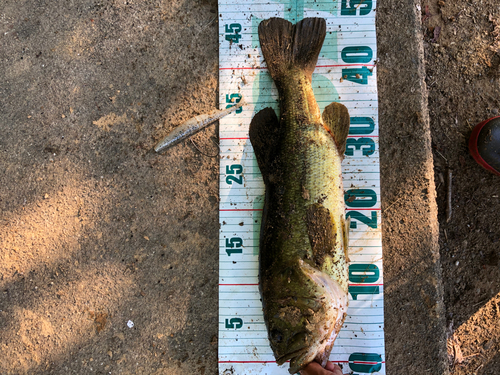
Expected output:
(484, 144)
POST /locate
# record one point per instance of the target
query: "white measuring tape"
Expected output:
(345, 73)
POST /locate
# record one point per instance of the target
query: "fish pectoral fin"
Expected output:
(336, 121)
(264, 136)
(321, 232)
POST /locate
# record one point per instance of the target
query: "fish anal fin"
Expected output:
(321, 232)
(336, 120)
(264, 136)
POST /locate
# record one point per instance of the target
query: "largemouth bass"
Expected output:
(303, 271)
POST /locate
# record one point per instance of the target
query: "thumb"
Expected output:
(330, 366)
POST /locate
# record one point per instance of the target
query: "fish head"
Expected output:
(302, 328)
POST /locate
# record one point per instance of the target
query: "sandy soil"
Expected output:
(96, 229)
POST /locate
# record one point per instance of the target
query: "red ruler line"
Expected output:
(354, 362)
(317, 66)
(258, 284)
(260, 209)
(349, 136)
(362, 209)
(332, 66)
(243, 209)
(247, 361)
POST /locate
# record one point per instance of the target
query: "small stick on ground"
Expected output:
(449, 203)
(393, 203)
(441, 155)
(203, 153)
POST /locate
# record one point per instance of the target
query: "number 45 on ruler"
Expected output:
(232, 31)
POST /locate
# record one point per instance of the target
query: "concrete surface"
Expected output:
(414, 310)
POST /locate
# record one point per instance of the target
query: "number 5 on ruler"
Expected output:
(235, 323)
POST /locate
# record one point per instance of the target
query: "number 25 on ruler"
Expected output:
(234, 171)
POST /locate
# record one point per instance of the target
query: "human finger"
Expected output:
(316, 369)
(330, 366)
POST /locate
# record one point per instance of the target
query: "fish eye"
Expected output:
(276, 336)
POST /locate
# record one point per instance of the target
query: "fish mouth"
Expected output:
(328, 329)
(316, 347)
(297, 345)
(291, 356)
(317, 352)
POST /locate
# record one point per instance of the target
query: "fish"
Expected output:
(193, 126)
(303, 262)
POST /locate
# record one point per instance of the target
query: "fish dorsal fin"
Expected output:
(286, 46)
(264, 136)
(336, 120)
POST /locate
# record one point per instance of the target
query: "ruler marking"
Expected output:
(243, 72)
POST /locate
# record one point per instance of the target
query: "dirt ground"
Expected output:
(109, 252)
(97, 230)
(462, 46)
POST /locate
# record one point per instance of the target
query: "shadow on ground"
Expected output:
(97, 230)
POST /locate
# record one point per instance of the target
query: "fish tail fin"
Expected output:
(286, 46)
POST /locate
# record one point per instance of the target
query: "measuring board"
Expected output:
(345, 73)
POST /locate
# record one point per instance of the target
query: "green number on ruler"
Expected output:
(233, 98)
(351, 198)
(350, 9)
(234, 169)
(356, 290)
(235, 323)
(355, 129)
(363, 273)
(235, 243)
(357, 55)
(357, 75)
(356, 144)
(371, 222)
(233, 28)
